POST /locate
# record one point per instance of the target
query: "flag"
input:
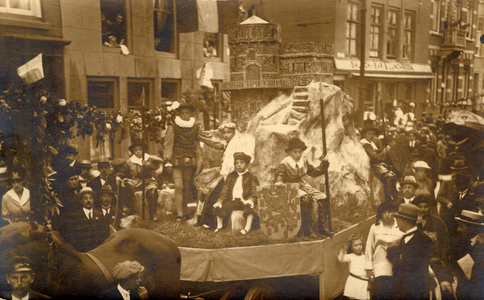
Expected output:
(32, 71)
(207, 16)
(204, 75)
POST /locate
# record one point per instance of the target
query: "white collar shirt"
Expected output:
(238, 190)
(106, 211)
(124, 292)
(88, 213)
(23, 298)
(409, 234)
(408, 200)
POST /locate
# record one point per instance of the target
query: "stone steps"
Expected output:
(300, 105)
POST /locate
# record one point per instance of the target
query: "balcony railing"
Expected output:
(454, 38)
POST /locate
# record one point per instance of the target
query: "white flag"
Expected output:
(32, 71)
(204, 75)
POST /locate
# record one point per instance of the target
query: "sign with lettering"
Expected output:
(354, 65)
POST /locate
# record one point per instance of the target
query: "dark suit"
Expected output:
(468, 202)
(410, 267)
(82, 233)
(96, 185)
(109, 217)
(32, 296)
(114, 293)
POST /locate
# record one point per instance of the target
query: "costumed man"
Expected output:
(467, 255)
(137, 168)
(20, 276)
(292, 169)
(409, 258)
(16, 202)
(183, 156)
(378, 161)
(84, 227)
(438, 252)
(127, 275)
(107, 197)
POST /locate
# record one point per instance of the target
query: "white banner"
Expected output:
(32, 71)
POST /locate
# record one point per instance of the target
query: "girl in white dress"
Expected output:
(356, 286)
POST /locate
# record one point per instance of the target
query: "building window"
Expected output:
(169, 91)
(392, 33)
(164, 20)
(211, 45)
(435, 16)
(408, 31)
(409, 91)
(101, 93)
(351, 28)
(138, 94)
(21, 7)
(480, 31)
(375, 30)
(113, 23)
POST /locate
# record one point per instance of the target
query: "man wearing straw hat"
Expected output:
(84, 227)
(410, 262)
(467, 255)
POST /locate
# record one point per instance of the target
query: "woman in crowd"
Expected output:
(16, 202)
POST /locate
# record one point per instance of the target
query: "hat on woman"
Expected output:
(295, 142)
(369, 128)
(86, 190)
(126, 269)
(226, 124)
(407, 211)
(242, 156)
(185, 106)
(138, 142)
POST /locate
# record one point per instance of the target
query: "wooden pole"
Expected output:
(362, 87)
(382, 117)
(325, 151)
(214, 109)
(142, 164)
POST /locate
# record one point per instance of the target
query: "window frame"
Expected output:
(409, 35)
(352, 21)
(148, 94)
(104, 79)
(163, 98)
(392, 43)
(174, 44)
(127, 38)
(216, 38)
(435, 16)
(35, 11)
(375, 47)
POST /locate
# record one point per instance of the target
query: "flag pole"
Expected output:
(143, 155)
(325, 151)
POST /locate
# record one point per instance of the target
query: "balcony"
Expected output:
(454, 38)
(250, 84)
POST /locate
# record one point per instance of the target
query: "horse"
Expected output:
(63, 272)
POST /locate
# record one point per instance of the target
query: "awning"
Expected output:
(396, 76)
(38, 38)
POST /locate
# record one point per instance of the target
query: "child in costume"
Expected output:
(356, 286)
(292, 169)
(238, 193)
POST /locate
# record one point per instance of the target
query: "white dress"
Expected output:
(356, 288)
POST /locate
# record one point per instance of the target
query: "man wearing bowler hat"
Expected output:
(409, 258)
(108, 206)
(20, 276)
(104, 178)
(469, 248)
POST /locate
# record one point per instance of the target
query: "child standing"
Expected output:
(292, 169)
(356, 286)
(238, 193)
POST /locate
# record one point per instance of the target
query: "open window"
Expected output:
(113, 22)
(211, 45)
(164, 19)
(21, 7)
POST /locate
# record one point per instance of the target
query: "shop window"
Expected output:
(408, 31)
(101, 93)
(392, 33)
(113, 22)
(138, 94)
(351, 28)
(375, 31)
(21, 7)
(169, 91)
(211, 45)
(164, 19)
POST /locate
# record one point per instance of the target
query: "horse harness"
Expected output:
(101, 266)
